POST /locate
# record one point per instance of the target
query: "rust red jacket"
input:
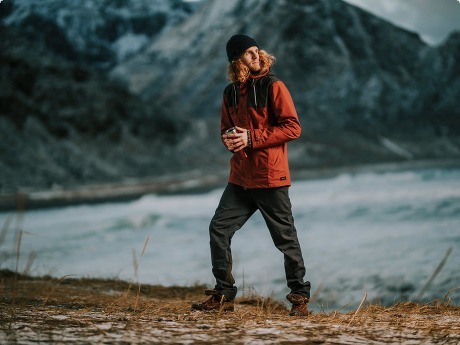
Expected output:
(264, 106)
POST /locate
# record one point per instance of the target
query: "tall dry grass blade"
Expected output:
(16, 275)
(447, 297)
(315, 295)
(136, 303)
(5, 228)
(18, 251)
(30, 261)
(340, 308)
(136, 273)
(20, 212)
(359, 308)
(135, 263)
(145, 244)
(435, 273)
(20, 218)
(135, 266)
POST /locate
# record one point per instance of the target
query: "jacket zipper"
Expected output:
(255, 105)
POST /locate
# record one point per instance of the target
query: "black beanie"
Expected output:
(238, 44)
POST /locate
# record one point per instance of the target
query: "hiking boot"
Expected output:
(217, 302)
(299, 304)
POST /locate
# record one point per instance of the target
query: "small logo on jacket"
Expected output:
(282, 178)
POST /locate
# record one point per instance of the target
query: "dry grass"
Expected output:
(68, 310)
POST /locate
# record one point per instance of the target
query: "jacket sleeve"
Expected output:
(287, 125)
(225, 119)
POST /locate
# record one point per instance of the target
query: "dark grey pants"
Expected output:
(236, 206)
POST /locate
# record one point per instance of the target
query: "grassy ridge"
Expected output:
(70, 310)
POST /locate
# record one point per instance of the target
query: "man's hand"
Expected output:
(235, 142)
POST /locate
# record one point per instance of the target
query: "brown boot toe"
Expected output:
(299, 305)
(217, 302)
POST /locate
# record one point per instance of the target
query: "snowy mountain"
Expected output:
(109, 90)
(355, 78)
(100, 33)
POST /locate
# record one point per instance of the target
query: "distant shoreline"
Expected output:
(185, 184)
(386, 167)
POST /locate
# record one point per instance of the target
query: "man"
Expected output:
(259, 109)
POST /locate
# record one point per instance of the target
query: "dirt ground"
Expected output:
(47, 310)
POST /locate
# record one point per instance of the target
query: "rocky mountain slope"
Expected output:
(100, 33)
(63, 122)
(364, 89)
(111, 90)
(66, 124)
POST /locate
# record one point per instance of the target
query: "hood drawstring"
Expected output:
(255, 95)
(253, 83)
(234, 95)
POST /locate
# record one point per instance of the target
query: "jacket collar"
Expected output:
(257, 76)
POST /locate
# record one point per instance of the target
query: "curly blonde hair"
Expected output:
(238, 71)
